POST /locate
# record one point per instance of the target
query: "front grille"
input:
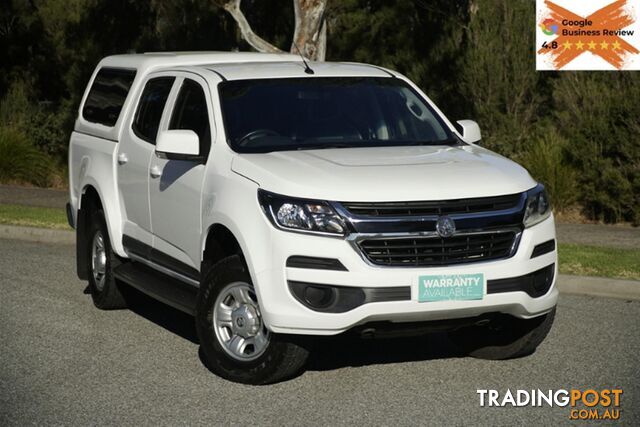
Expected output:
(439, 207)
(437, 251)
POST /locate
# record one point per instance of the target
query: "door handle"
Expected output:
(155, 172)
(122, 158)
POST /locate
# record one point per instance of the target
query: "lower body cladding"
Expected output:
(325, 297)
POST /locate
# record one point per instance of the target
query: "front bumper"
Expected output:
(283, 313)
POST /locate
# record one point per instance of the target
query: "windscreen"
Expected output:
(266, 115)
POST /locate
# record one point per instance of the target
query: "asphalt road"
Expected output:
(64, 362)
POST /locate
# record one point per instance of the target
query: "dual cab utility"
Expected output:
(275, 202)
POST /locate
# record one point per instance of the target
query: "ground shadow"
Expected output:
(171, 319)
(350, 350)
(327, 353)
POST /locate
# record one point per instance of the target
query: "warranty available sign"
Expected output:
(588, 35)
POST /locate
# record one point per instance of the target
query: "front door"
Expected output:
(175, 187)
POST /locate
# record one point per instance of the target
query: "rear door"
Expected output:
(176, 191)
(134, 155)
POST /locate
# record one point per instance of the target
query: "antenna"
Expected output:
(307, 69)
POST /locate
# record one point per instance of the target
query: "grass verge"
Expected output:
(32, 216)
(598, 261)
(574, 259)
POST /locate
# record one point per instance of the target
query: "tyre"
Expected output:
(234, 341)
(504, 337)
(102, 284)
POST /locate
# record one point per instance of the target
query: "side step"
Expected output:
(159, 286)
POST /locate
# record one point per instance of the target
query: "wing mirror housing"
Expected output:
(178, 145)
(470, 131)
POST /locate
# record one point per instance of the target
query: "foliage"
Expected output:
(31, 216)
(43, 125)
(579, 133)
(497, 73)
(420, 39)
(545, 160)
(600, 114)
(598, 261)
(20, 161)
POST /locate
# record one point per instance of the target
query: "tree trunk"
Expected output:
(310, 34)
(257, 42)
(311, 28)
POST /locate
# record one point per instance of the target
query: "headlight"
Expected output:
(537, 208)
(302, 215)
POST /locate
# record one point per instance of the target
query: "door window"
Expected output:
(150, 108)
(190, 113)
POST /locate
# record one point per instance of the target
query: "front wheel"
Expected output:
(504, 337)
(235, 342)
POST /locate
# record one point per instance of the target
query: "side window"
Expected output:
(107, 95)
(190, 112)
(150, 108)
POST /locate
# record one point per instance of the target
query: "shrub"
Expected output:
(46, 126)
(497, 73)
(20, 161)
(544, 158)
(599, 114)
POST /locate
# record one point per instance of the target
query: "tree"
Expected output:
(599, 114)
(420, 39)
(497, 73)
(310, 34)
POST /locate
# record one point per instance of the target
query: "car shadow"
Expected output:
(326, 353)
(169, 318)
(350, 350)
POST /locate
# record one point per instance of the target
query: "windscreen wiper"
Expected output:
(329, 145)
(447, 141)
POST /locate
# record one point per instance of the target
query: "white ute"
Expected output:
(274, 201)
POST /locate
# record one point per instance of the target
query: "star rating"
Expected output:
(596, 47)
(592, 45)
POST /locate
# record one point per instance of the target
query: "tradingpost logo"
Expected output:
(587, 404)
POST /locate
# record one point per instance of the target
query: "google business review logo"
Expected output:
(549, 27)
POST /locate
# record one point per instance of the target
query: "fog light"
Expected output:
(542, 279)
(319, 297)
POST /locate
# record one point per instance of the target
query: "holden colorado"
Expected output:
(275, 200)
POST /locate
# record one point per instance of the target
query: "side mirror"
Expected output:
(178, 145)
(470, 131)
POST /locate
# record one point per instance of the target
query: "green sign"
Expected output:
(447, 287)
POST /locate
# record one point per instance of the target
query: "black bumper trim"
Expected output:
(544, 248)
(535, 284)
(340, 299)
(316, 263)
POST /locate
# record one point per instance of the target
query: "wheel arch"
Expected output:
(91, 199)
(219, 243)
